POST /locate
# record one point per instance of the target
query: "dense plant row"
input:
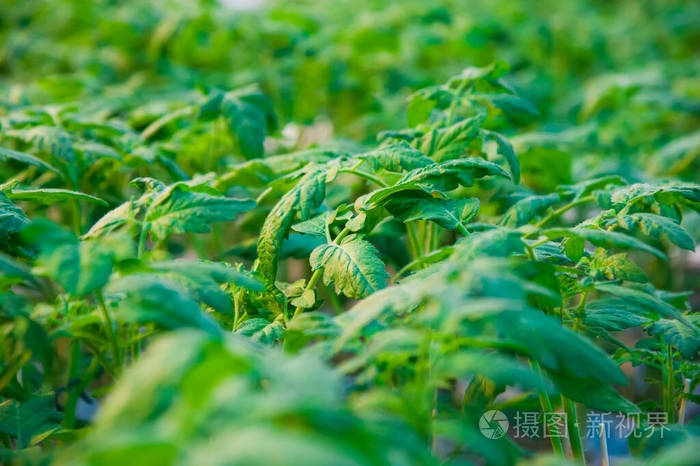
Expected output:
(460, 275)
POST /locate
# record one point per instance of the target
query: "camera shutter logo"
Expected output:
(493, 424)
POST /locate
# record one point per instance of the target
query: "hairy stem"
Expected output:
(573, 430)
(670, 395)
(111, 333)
(546, 406)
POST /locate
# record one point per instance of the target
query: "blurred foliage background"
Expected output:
(614, 88)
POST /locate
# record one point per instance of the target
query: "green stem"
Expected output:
(317, 273)
(556, 213)
(73, 373)
(111, 333)
(365, 175)
(573, 430)
(309, 286)
(413, 240)
(546, 405)
(75, 205)
(670, 395)
(142, 240)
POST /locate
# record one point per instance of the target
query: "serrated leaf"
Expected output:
(259, 329)
(116, 218)
(79, 266)
(247, 121)
(24, 420)
(178, 209)
(353, 267)
(446, 176)
(12, 218)
(685, 338)
(646, 302)
(526, 209)
(50, 195)
(616, 267)
(604, 239)
(498, 242)
(92, 151)
(203, 280)
(614, 314)
(395, 157)
(594, 394)
(505, 148)
(148, 298)
(443, 144)
(448, 213)
(300, 203)
(54, 141)
(9, 154)
(657, 226)
(514, 106)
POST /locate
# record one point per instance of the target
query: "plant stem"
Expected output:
(309, 286)
(365, 175)
(73, 373)
(573, 430)
(603, 445)
(75, 205)
(546, 405)
(413, 240)
(142, 240)
(554, 214)
(670, 398)
(111, 333)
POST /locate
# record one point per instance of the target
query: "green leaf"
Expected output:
(657, 226)
(614, 314)
(448, 213)
(299, 202)
(499, 242)
(79, 266)
(247, 120)
(419, 110)
(515, 107)
(442, 144)
(50, 195)
(616, 267)
(148, 298)
(24, 420)
(446, 176)
(604, 239)
(179, 209)
(505, 148)
(115, 219)
(594, 394)
(685, 338)
(203, 280)
(352, 266)
(12, 218)
(54, 141)
(646, 302)
(92, 151)
(259, 329)
(526, 209)
(395, 157)
(9, 154)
